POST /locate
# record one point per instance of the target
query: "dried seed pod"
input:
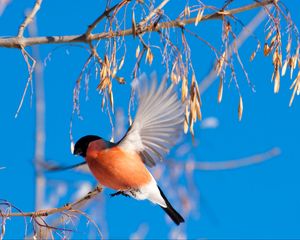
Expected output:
(193, 109)
(198, 94)
(149, 56)
(111, 99)
(137, 51)
(296, 86)
(199, 16)
(276, 81)
(240, 109)
(120, 80)
(283, 70)
(220, 63)
(184, 89)
(198, 110)
(174, 77)
(185, 126)
(220, 90)
(114, 72)
(187, 11)
(253, 56)
(122, 62)
(269, 35)
(288, 46)
(192, 129)
(103, 84)
(106, 60)
(133, 23)
(186, 121)
(267, 49)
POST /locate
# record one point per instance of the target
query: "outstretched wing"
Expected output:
(157, 124)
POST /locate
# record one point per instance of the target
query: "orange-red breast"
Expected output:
(121, 166)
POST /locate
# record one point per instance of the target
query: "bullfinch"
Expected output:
(122, 166)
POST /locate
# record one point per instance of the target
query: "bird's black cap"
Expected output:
(82, 144)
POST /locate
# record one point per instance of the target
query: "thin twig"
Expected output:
(30, 67)
(103, 15)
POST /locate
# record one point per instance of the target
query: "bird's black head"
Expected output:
(83, 143)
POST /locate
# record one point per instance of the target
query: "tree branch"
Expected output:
(16, 42)
(51, 211)
(29, 18)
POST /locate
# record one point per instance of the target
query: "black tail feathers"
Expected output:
(173, 214)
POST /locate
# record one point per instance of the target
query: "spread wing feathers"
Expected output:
(157, 124)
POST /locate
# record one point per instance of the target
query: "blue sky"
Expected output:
(260, 201)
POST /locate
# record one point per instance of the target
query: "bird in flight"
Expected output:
(122, 166)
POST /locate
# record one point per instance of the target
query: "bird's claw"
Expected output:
(119, 193)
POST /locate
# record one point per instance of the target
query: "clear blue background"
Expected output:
(260, 201)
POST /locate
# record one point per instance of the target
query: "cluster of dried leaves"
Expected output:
(273, 46)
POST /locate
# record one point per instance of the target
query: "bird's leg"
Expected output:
(115, 194)
(119, 193)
